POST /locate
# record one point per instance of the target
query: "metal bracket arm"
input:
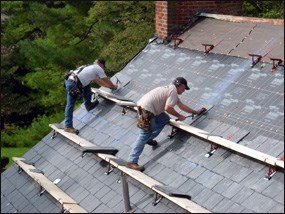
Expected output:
(208, 48)
(255, 61)
(275, 64)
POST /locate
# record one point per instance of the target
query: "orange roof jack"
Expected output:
(259, 57)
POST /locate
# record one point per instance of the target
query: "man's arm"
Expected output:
(173, 112)
(106, 82)
(187, 109)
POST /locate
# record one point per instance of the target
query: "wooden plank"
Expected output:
(67, 202)
(229, 144)
(121, 79)
(114, 98)
(137, 175)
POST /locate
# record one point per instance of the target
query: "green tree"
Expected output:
(44, 39)
(264, 9)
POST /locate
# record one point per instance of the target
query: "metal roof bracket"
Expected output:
(272, 170)
(110, 169)
(212, 150)
(259, 57)
(174, 131)
(157, 199)
(256, 60)
(208, 48)
(270, 173)
(177, 41)
(275, 65)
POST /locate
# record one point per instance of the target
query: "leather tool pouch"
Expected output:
(76, 91)
(144, 118)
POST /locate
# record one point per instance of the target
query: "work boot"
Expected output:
(152, 143)
(135, 166)
(71, 130)
(91, 105)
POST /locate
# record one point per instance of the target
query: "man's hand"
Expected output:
(181, 117)
(201, 110)
(115, 87)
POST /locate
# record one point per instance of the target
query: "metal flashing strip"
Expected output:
(137, 175)
(243, 19)
(68, 204)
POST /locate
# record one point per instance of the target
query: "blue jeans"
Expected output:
(70, 101)
(157, 124)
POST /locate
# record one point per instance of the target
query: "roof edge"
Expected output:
(243, 19)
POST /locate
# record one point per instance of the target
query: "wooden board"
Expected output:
(67, 202)
(120, 100)
(229, 144)
(137, 175)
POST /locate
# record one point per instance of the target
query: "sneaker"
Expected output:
(135, 166)
(152, 143)
(92, 105)
(72, 130)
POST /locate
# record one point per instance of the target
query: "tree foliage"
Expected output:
(264, 9)
(44, 39)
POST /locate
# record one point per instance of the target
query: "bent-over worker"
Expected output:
(78, 84)
(152, 116)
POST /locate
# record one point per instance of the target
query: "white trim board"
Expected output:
(137, 175)
(67, 202)
(229, 144)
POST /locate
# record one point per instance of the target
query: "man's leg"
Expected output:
(87, 95)
(139, 146)
(70, 102)
(158, 123)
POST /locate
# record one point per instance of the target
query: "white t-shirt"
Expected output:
(156, 99)
(89, 73)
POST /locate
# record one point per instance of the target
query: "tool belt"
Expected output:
(77, 90)
(144, 118)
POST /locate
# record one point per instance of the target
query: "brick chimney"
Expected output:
(172, 15)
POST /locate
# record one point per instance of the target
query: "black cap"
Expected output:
(101, 61)
(179, 81)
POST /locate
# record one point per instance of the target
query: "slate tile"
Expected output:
(80, 194)
(259, 203)
(223, 185)
(251, 179)
(102, 208)
(203, 196)
(225, 168)
(178, 181)
(227, 206)
(278, 208)
(212, 201)
(209, 179)
(242, 195)
(232, 190)
(275, 190)
(196, 172)
(250, 164)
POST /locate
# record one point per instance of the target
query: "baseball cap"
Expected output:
(179, 81)
(101, 61)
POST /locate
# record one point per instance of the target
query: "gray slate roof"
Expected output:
(249, 103)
